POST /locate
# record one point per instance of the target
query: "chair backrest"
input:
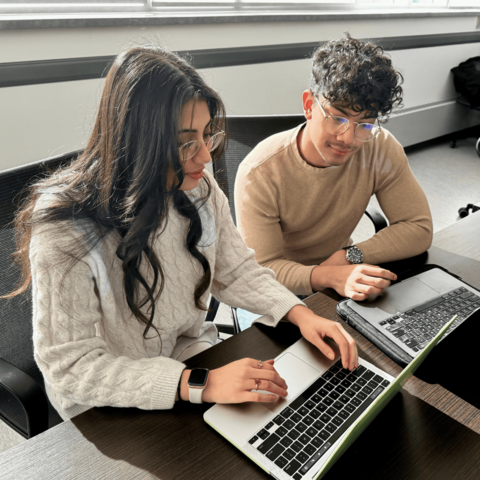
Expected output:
(244, 133)
(16, 345)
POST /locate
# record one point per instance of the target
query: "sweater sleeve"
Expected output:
(239, 280)
(259, 223)
(405, 205)
(69, 349)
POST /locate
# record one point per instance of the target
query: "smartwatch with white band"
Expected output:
(197, 381)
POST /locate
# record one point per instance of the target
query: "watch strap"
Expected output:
(195, 394)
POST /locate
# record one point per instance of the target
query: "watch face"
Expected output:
(354, 255)
(198, 377)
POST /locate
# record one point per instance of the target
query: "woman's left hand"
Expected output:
(315, 329)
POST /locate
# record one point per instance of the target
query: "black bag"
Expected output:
(466, 78)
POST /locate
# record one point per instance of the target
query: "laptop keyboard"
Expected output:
(418, 326)
(301, 434)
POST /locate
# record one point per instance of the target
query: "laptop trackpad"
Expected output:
(298, 376)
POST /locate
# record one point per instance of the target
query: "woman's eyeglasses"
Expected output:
(190, 149)
(335, 125)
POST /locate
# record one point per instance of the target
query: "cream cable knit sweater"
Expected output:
(89, 346)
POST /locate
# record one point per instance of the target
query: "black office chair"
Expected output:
(24, 406)
(23, 403)
(244, 133)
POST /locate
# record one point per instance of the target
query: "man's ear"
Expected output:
(308, 101)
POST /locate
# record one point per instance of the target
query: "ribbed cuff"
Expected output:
(165, 385)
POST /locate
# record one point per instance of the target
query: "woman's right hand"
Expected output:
(234, 383)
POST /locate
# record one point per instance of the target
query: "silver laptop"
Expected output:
(410, 313)
(327, 407)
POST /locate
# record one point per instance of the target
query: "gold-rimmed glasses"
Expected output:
(336, 125)
(190, 149)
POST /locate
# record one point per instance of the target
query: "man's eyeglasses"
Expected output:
(335, 125)
(190, 149)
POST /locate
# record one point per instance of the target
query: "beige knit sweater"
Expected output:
(295, 216)
(89, 346)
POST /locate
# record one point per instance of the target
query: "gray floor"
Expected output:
(450, 179)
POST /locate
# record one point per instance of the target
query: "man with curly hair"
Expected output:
(300, 194)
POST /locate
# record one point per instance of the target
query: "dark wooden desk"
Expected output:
(425, 432)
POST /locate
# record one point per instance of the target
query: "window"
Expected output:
(92, 6)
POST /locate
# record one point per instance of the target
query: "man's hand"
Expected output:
(354, 281)
(315, 329)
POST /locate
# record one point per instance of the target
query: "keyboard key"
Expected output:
(317, 442)
(275, 452)
(367, 390)
(269, 426)
(324, 435)
(265, 446)
(303, 411)
(331, 428)
(338, 405)
(368, 374)
(378, 378)
(331, 411)
(335, 381)
(334, 395)
(292, 467)
(318, 425)
(350, 393)
(346, 384)
(343, 414)
(327, 375)
(278, 420)
(361, 381)
(295, 418)
(340, 389)
(309, 450)
(282, 431)
(337, 421)
(385, 383)
(356, 402)
(308, 420)
(253, 440)
(289, 454)
(263, 434)
(350, 408)
(286, 442)
(310, 404)
(341, 375)
(361, 396)
(322, 393)
(315, 413)
(293, 434)
(301, 427)
(466, 295)
(355, 387)
(325, 418)
(322, 407)
(287, 412)
(281, 462)
(297, 447)
(328, 401)
(288, 425)
(360, 370)
(311, 432)
(304, 439)
(329, 387)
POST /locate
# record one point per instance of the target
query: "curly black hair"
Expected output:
(357, 75)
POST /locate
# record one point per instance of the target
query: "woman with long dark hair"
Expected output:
(123, 247)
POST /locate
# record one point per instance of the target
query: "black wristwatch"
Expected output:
(353, 254)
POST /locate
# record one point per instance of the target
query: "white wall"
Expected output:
(41, 120)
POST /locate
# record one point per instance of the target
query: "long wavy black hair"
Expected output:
(122, 182)
(358, 75)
